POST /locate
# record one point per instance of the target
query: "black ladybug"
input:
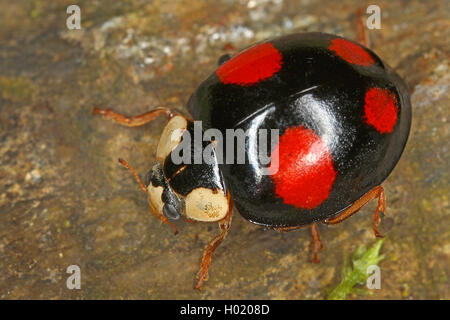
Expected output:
(343, 118)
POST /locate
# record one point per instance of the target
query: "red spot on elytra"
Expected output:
(351, 52)
(380, 109)
(305, 168)
(251, 66)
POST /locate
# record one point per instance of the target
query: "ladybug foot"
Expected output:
(379, 212)
(376, 232)
(375, 223)
(203, 274)
(315, 258)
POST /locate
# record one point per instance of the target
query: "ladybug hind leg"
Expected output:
(224, 226)
(377, 192)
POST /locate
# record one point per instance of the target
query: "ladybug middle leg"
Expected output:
(224, 226)
(377, 192)
(316, 243)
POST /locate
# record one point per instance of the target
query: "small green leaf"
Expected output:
(362, 258)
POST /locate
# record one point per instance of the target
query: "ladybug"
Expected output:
(343, 118)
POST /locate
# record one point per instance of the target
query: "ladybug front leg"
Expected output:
(134, 121)
(189, 220)
(145, 190)
(377, 192)
(164, 220)
(224, 226)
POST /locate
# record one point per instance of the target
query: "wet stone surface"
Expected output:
(65, 200)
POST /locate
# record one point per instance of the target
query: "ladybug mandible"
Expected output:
(343, 117)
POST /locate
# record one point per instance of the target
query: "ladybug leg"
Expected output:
(316, 243)
(164, 220)
(224, 226)
(377, 192)
(286, 229)
(361, 30)
(144, 189)
(189, 220)
(381, 207)
(133, 121)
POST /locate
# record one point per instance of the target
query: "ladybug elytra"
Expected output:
(343, 117)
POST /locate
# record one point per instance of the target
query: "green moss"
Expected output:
(17, 89)
(357, 273)
(36, 11)
(66, 224)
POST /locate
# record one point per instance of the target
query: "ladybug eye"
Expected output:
(170, 212)
(148, 177)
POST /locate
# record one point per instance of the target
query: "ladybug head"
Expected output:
(161, 198)
(196, 199)
(200, 204)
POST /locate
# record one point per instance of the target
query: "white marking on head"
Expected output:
(154, 198)
(171, 137)
(204, 204)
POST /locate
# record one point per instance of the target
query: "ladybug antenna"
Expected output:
(125, 164)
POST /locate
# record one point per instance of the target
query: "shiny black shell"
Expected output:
(319, 90)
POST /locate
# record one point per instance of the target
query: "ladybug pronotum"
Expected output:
(343, 118)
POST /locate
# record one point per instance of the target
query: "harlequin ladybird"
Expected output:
(343, 118)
